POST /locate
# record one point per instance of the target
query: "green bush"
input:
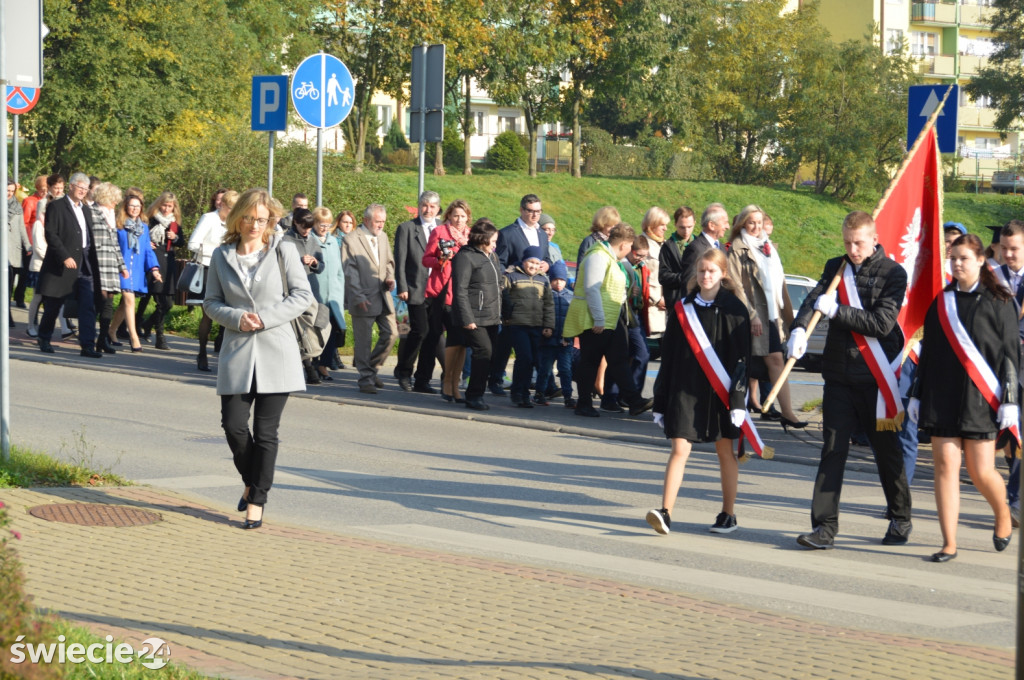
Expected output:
(650, 156)
(453, 152)
(507, 153)
(394, 140)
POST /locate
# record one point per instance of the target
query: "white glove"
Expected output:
(737, 416)
(1008, 415)
(797, 344)
(827, 304)
(659, 420)
(914, 409)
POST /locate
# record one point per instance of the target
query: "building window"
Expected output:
(893, 41)
(986, 143)
(507, 123)
(384, 116)
(480, 122)
(924, 44)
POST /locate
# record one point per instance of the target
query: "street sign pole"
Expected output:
(319, 166)
(270, 163)
(16, 116)
(423, 119)
(5, 294)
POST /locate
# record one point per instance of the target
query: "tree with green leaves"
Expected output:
(848, 115)
(120, 73)
(523, 69)
(1002, 78)
(589, 26)
(375, 39)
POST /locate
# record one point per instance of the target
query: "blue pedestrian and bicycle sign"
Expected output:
(323, 91)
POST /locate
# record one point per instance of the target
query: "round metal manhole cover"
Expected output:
(94, 514)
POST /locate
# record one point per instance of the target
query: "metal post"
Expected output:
(16, 116)
(320, 166)
(5, 294)
(423, 118)
(270, 164)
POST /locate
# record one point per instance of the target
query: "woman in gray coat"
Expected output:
(259, 362)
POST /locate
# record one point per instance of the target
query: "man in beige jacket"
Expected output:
(369, 279)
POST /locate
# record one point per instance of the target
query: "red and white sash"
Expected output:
(889, 409)
(973, 362)
(715, 371)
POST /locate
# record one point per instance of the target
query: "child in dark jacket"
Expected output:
(556, 348)
(528, 317)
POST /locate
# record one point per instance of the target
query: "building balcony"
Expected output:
(973, 15)
(974, 117)
(970, 65)
(933, 13)
(936, 65)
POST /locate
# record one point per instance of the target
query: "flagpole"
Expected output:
(929, 124)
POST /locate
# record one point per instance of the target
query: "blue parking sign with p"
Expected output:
(270, 103)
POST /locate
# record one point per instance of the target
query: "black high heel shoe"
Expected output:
(795, 424)
(254, 523)
(772, 414)
(243, 503)
(1001, 544)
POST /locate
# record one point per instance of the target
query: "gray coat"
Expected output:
(17, 237)
(272, 353)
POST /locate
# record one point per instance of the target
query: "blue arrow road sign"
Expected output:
(922, 102)
(270, 103)
(322, 90)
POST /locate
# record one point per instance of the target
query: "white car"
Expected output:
(799, 287)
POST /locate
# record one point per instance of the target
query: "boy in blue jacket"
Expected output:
(556, 348)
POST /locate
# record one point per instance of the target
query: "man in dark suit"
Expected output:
(523, 233)
(670, 259)
(70, 265)
(411, 281)
(714, 222)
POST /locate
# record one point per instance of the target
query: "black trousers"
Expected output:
(433, 344)
(409, 346)
(255, 451)
(481, 340)
(22, 274)
(83, 292)
(844, 409)
(613, 346)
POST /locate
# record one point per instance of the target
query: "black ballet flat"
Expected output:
(253, 523)
(795, 424)
(943, 557)
(243, 503)
(447, 397)
(460, 400)
(1001, 543)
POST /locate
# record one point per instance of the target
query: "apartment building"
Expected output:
(951, 40)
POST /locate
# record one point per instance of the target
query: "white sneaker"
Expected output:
(32, 331)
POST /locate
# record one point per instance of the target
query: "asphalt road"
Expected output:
(529, 486)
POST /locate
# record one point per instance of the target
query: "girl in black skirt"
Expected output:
(684, 401)
(948, 402)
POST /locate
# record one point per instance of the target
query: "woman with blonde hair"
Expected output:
(653, 227)
(604, 220)
(166, 233)
(108, 254)
(331, 283)
(755, 267)
(257, 286)
(686, 403)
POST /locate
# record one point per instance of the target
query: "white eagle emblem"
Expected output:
(910, 244)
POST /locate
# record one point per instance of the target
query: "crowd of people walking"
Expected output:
(475, 294)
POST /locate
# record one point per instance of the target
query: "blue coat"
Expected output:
(137, 263)
(331, 279)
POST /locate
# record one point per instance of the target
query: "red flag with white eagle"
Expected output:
(909, 224)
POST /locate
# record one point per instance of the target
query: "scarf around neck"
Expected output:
(134, 230)
(158, 232)
(769, 271)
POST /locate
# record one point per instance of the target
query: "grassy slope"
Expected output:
(806, 225)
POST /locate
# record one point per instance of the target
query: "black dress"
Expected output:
(951, 405)
(682, 392)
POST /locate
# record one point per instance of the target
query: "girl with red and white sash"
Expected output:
(686, 403)
(966, 388)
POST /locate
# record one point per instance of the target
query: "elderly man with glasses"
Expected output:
(70, 266)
